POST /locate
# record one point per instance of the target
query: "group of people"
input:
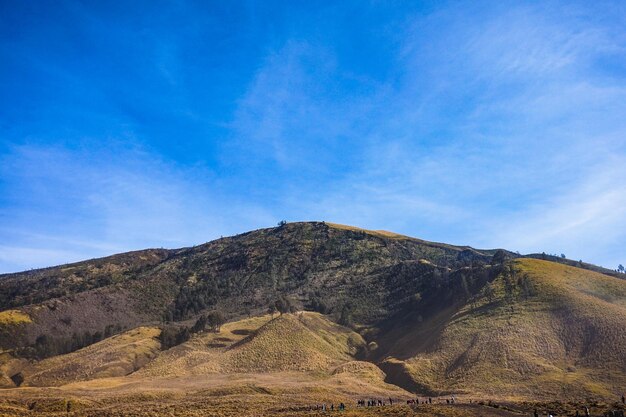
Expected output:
(451, 400)
(332, 407)
(417, 401)
(374, 403)
(429, 400)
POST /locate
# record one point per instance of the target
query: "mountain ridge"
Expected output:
(426, 317)
(107, 283)
(182, 250)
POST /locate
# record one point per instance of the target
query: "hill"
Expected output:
(322, 267)
(379, 314)
(540, 330)
(303, 342)
(119, 355)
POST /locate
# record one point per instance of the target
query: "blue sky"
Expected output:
(127, 125)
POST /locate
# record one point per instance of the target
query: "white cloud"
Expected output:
(68, 205)
(586, 221)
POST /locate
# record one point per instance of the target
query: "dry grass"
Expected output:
(116, 356)
(567, 339)
(9, 366)
(205, 352)
(266, 366)
(564, 340)
(385, 234)
(257, 400)
(11, 326)
(306, 342)
(13, 318)
(378, 233)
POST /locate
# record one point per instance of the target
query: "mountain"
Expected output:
(372, 312)
(321, 266)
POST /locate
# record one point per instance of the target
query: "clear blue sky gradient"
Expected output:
(127, 125)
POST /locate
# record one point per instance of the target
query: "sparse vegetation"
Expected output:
(46, 346)
(174, 335)
(119, 355)
(438, 319)
(283, 305)
(215, 320)
(39, 285)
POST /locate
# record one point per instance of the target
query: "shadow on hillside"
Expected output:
(404, 337)
(249, 335)
(397, 374)
(242, 332)
(407, 337)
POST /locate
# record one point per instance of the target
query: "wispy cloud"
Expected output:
(64, 205)
(586, 221)
(500, 121)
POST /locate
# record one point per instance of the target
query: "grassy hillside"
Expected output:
(303, 342)
(11, 318)
(13, 324)
(307, 342)
(116, 356)
(203, 354)
(577, 264)
(541, 330)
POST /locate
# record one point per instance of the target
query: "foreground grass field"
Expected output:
(285, 366)
(286, 398)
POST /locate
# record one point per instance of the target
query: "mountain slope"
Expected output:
(116, 356)
(540, 329)
(37, 285)
(436, 318)
(303, 342)
(328, 268)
